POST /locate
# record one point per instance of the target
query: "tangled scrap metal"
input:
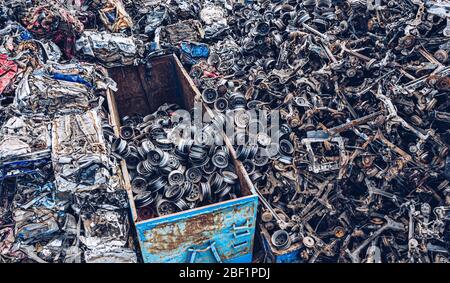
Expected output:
(362, 172)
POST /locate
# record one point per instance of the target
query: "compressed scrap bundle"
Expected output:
(41, 224)
(49, 19)
(79, 152)
(40, 230)
(56, 89)
(110, 50)
(88, 179)
(189, 30)
(21, 136)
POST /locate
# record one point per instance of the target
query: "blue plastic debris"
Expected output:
(71, 78)
(192, 52)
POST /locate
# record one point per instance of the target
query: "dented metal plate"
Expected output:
(221, 232)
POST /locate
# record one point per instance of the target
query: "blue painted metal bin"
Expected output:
(221, 232)
(274, 255)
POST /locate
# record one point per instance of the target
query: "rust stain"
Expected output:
(195, 231)
(169, 239)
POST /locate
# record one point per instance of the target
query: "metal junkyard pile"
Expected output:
(361, 170)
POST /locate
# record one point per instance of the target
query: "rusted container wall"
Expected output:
(221, 232)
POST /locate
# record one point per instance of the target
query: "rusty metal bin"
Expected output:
(220, 232)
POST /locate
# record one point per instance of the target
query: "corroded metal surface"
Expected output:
(229, 225)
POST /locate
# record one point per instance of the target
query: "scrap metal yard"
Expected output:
(224, 131)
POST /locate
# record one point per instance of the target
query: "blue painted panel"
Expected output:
(291, 255)
(220, 232)
(20, 167)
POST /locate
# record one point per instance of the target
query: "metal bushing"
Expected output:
(286, 147)
(176, 178)
(242, 119)
(174, 193)
(181, 204)
(156, 131)
(193, 194)
(193, 175)
(198, 155)
(252, 150)
(187, 186)
(209, 95)
(157, 157)
(157, 184)
(205, 137)
(144, 199)
(237, 101)
(262, 28)
(230, 177)
(249, 166)
(263, 139)
(183, 148)
(256, 176)
(285, 129)
(218, 122)
(147, 168)
(141, 170)
(119, 146)
(242, 152)
(216, 181)
(220, 159)
(281, 240)
(141, 152)
(165, 171)
(138, 185)
(132, 159)
(208, 168)
(261, 158)
(205, 189)
(221, 104)
(174, 162)
(164, 144)
(126, 132)
(223, 191)
(165, 207)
